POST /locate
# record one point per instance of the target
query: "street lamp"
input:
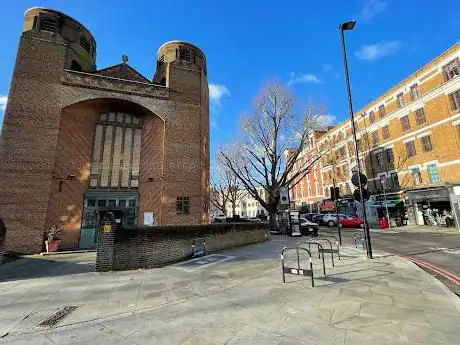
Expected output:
(346, 27)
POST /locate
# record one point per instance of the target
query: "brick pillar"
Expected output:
(106, 243)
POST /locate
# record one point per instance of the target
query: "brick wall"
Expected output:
(126, 249)
(2, 240)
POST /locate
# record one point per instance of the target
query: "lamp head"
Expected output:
(347, 25)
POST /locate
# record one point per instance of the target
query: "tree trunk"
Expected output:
(272, 221)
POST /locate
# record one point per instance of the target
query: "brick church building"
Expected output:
(78, 142)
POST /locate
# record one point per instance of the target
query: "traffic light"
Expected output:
(335, 193)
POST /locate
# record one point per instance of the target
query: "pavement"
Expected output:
(435, 250)
(233, 297)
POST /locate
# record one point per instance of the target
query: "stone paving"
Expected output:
(237, 298)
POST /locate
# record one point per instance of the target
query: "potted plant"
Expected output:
(53, 243)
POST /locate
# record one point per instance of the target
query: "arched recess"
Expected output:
(109, 152)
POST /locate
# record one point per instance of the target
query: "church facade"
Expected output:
(78, 142)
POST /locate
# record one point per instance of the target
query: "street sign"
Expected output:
(355, 179)
(357, 195)
(284, 196)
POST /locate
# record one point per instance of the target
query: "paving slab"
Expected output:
(237, 301)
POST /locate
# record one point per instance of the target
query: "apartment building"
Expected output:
(408, 143)
(307, 192)
(247, 206)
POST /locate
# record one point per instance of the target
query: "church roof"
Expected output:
(123, 71)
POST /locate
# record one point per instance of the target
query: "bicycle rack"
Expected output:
(320, 252)
(297, 271)
(360, 242)
(336, 251)
(323, 250)
(200, 251)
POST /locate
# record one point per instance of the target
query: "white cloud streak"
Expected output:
(373, 8)
(378, 50)
(3, 100)
(303, 78)
(216, 92)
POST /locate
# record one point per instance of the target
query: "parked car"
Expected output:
(254, 219)
(345, 221)
(318, 218)
(308, 216)
(351, 222)
(308, 228)
(331, 219)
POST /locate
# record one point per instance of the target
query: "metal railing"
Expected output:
(297, 271)
(337, 250)
(320, 251)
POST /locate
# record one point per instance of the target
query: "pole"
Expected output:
(385, 199)
(337, 213)
(350, 106)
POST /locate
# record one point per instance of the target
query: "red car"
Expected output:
(351, 222)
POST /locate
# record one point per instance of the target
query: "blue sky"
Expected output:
(250, 42)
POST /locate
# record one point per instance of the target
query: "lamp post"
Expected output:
(346, 27)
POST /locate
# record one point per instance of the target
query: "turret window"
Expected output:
(84, 43)
(184, 54)
(48, 24)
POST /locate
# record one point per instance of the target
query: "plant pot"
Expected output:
(52, 246)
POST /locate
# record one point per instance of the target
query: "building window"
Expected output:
(385, 132)
(405, 123)
(416, 176)
(451, 70)
(400, 100)
(420, 118)
(415, 92)
(390, 156)
(426, 143)
(184, 54)
(48, 24)
(410, 149)
(454, 98)
(183, 205)
(84, 43)
(372, 117)
(382, 112)
(375, 137)
(433, 171)
(394, 180)
(379, 159)
(116, 151)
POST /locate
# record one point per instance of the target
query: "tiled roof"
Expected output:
(123, 71)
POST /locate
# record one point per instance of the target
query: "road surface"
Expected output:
(437, 253)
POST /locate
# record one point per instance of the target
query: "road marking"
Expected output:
(202, 262)
(440, 271)
(447, 250)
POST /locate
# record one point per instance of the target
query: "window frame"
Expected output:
(454, 98)
(415, 95)
(371, 116)
(402, 120)
(416, 176)
(455, 69)
(437, 173)
(420, 114)
(183, 205)
(382, 110)
(412, 143)
(375, 137)
(388, 156)
(386, 132)
(400, 100)
(427, 146)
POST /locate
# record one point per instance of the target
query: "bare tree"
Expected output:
(226, 188)
(272, 130)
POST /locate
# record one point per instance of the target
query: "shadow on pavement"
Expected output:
(30, 267)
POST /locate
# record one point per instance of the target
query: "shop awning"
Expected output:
(388, 203)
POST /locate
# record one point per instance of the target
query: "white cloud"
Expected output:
(303, 78)
(216, 92)
(3, 100)
(378, 50)
(328, 119)
(372, 8)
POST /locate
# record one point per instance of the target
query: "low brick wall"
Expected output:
(134, 248)
(2, 240)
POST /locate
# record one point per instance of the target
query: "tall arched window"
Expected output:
(116, 151)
